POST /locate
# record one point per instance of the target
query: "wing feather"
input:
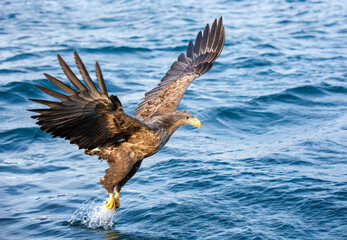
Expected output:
(85, 117)
(100, 79)
(84, 74)
(199, 58)
(52, 93)
(70, 75)
(190, 51)
(205, 38)
(197, 44)
(212, 35)
(60, 85)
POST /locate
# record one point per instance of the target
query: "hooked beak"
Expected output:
(195, 122)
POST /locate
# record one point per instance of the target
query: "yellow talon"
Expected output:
(110, 204)
(116, 198)
(113, 202)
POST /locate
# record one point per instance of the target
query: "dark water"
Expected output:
(268, 163)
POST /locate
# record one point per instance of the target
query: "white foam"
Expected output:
(93, 215)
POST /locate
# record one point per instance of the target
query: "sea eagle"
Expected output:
(87, 116)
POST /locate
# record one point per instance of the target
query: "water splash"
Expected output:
(93, 215)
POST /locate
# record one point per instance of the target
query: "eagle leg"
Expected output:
(111, 184)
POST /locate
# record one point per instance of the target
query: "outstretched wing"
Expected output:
(86, 117)
(200, 56)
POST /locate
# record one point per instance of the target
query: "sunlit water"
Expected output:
(268, 163)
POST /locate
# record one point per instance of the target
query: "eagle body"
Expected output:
(125, 158)
(88, 117)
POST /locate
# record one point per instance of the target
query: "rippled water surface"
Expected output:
(268, 163)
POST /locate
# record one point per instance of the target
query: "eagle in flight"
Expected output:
(87, 116)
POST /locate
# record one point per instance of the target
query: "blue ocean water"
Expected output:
(270, 161)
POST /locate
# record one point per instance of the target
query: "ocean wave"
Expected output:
(20, 56)
(18, 139)
(252, 62)
(308, 95)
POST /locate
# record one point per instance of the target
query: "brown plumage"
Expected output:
(97, 123)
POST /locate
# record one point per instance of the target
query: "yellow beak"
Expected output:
(195, 122)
